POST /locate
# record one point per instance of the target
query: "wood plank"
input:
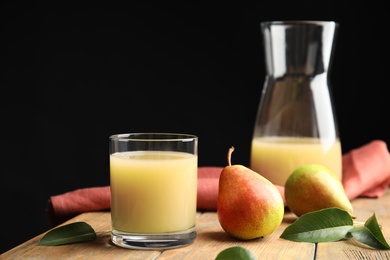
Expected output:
(101, 248)
(211, 239)
(351, 249)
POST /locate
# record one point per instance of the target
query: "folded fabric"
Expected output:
(366, 172)
(67, 205)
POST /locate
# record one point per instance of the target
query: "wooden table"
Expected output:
(211, 239)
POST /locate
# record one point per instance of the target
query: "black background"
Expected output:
(75, 74)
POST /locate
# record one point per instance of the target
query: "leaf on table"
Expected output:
(236, 253)
(370, 234)
(326, 225)
(68, 234)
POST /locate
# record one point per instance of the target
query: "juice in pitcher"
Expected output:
(276, 158)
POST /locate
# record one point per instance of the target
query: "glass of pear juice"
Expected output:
(153, 181)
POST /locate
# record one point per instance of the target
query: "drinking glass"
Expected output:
(153, 180)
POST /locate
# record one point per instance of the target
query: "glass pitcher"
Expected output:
(295, 121)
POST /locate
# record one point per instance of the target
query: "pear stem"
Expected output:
(229, 155)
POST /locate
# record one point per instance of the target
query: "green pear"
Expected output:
(312, 187)
(249, 206)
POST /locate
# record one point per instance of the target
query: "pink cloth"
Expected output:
(366, 173)
(366, 170)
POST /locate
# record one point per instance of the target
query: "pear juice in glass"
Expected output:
(153, 179)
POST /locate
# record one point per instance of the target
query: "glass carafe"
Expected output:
(295, 121)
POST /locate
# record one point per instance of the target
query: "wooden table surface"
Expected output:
(211, 239)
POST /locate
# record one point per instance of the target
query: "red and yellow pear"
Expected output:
(249, 206)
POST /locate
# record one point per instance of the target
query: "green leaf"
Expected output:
(326, 225)
(236, 253)
(68, 234)
(370, 234)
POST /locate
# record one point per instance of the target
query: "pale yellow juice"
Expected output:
(153, 192)
(276, 158)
